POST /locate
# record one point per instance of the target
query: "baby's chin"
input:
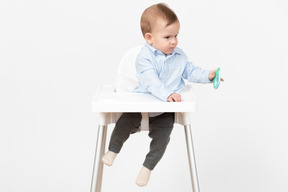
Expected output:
(168, 52)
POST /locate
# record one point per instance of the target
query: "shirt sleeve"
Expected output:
(149, 80)
(195, 74)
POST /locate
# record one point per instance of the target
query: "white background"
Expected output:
(55, 54)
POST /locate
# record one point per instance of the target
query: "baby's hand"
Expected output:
(174, 97)
(211, 75)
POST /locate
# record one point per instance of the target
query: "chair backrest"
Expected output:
(126, 79)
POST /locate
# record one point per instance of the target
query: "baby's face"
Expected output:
(164, 38)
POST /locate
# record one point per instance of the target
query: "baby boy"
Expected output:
(161, 68)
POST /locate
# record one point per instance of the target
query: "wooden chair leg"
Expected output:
(191, 158)
(98, 165)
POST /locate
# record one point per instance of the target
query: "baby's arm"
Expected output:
(149, 79)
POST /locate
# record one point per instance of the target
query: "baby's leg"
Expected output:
(160, 130)
(128, 123)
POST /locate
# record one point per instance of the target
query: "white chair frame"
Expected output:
(109, 103)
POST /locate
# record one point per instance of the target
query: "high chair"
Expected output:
(112, 100)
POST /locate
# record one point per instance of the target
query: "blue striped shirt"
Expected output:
(163, 75)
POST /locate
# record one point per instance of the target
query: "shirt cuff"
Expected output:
(206, 77)
(165, 94)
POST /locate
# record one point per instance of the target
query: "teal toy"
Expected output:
(217, 79)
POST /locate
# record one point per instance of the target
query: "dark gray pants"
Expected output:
(160, 128)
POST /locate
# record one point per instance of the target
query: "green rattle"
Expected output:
(217, 79)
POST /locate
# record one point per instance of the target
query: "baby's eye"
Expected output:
(168, 37)
(176, 35)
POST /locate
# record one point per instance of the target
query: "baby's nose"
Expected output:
(173, 41)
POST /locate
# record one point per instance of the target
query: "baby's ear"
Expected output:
(148, 38)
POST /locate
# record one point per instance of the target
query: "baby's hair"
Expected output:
(152, 13)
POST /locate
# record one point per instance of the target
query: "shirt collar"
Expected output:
(158, 52)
